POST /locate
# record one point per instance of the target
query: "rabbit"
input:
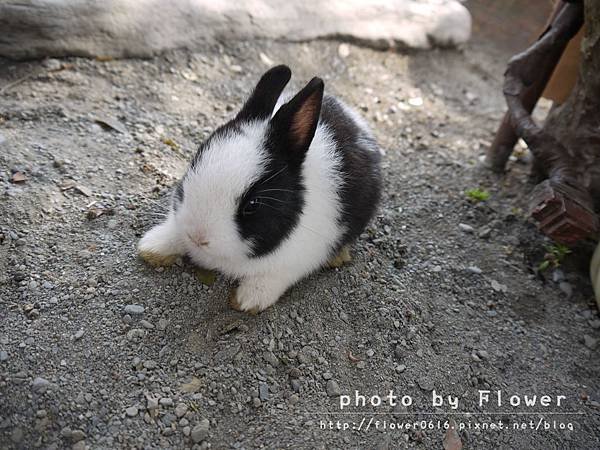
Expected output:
(274, 194)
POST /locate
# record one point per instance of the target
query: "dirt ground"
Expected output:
(99, 351)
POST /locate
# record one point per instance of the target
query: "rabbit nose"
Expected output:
(198, 238)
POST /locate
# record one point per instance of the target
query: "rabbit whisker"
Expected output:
(271, 198)
(278, 190)
(274, 175)
(299, 224)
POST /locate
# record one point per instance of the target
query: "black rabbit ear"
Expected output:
(295, 123)
(262, 101)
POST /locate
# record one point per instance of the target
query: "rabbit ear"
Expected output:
(262, 101)
(295, 123)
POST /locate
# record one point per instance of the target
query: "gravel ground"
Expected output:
(99, 351)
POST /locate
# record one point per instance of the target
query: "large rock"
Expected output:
(123, 28)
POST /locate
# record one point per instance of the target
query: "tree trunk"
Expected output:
(576, 123)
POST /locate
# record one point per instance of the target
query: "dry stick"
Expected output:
(14, 83)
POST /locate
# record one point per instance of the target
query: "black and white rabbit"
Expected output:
(274, 194)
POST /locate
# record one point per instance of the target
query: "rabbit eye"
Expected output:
(251, 207)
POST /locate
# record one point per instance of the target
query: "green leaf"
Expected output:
(477, 195)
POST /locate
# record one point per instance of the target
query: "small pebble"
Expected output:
(263, 391)
(498, 287)
(40, 384)
(344, 50)
(134, 309)
(590, 342)
(474, 269)
(425, 383)
(333, 389)
(77, 435)
(181, 409)
(166, 401)
(132, 411)
(566, 288)
(200, 431)
(466, 228)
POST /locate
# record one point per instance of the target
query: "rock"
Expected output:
(3, 355)
(77, 435)
(52, 64)
(466, 228)
(271, 359)
(590, 342)
(149, 364)
(595, 324)
(200, 431)
(152, 403)
(344, 50)
(142, 28)
(78, 335)
(134, 310)
(263, 391)
(112, 224)
(425, 383)
(400, 368)
(399, 352)
(499, 287)
(295, 384)
(79, 446)
(485, 232)
(566, 288)
(162, 324)
(132, 411)
(136, 334)
(40, 385)
(166, 401)
(147, 325)
(181, 409)
(333, 389)
(168, 419)
(306, 355)
(474, 269)
(186, 431)
(558, 275)
(17, 435)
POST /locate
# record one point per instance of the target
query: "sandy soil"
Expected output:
(99, 351)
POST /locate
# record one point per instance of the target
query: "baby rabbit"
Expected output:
(274, 194)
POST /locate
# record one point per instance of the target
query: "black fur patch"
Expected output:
(178, 195)
(270, 209)
(360, 155)
(261, 102)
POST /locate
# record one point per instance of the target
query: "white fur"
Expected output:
(224, 172)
